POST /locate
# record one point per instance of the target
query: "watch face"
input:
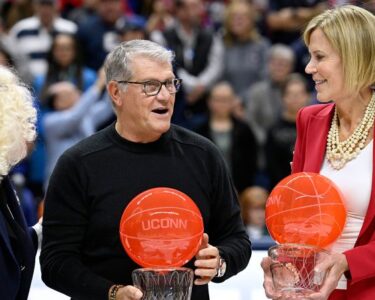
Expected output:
(222, 268)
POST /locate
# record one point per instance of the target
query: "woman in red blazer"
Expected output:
(336, 140)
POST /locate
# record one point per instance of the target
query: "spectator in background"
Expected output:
(72, 117)
(161, 17)
(131, 29)
(282, 135)
(253, 206)
(84, 12)
(199, 57)
(97, 36)
(30, 39)
(263, 102)
(286, 19)
(64, 64)
(7, 60)
(232, 136)
(245, 51)
(13, 11)
(263, 99)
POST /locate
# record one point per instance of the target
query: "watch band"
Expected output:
(113, 291)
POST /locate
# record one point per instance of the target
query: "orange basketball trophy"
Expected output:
(161, 229)
(304, 214)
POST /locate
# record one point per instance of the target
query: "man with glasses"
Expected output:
(94, 181)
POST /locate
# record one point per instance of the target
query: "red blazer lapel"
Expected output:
(317, 131)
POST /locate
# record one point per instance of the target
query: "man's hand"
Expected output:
(207, 262)
(128, 292)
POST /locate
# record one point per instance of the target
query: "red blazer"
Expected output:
(313, 123)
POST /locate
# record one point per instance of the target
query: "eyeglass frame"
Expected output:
(160, 82)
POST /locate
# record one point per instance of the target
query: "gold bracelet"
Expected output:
(113, 291)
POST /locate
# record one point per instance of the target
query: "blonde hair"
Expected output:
(351, 32)
(17, 120)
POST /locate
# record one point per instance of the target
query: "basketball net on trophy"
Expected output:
(305, 213)
(161, 229)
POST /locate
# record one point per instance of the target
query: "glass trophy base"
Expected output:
(293, 267)
(164, 284)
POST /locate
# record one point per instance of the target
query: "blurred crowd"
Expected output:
(241, 61)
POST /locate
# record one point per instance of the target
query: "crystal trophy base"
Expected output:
(164, 284)
(292, 269)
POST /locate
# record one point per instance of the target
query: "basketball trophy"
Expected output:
(161, 230)
(304, 214)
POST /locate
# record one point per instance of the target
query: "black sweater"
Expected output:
(93, 182)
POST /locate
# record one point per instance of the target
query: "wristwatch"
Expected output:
(221, 268)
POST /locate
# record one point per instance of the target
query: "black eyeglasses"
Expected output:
(153, 87)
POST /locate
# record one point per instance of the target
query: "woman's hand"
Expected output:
(334, 266)
(268, 283)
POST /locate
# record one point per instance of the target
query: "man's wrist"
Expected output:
(113, 291)
(222, 267)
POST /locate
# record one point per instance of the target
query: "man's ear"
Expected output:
(114, 92)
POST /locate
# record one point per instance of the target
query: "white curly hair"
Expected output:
(17, 120)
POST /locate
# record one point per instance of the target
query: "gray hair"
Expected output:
(117, 65)
(282, 51)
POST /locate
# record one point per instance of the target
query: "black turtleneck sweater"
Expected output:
(93, 182)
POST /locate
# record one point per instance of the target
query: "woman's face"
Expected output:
(240, 21)
(63, 50)
(295, 97)
(221, 102)
(326, 68)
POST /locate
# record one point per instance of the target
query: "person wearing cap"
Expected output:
(131, 28)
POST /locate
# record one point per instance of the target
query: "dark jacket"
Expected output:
(243, 152)
(18, 245)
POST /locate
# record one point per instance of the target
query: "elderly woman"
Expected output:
(336, 140)
(18, 243)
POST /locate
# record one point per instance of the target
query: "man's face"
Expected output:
(110, 10)
(46, 11)
(191, 12)
(145, 118)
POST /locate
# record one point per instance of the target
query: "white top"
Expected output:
(30, 41)
(354, 181)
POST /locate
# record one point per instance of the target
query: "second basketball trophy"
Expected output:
(161, 230)
(305, 213)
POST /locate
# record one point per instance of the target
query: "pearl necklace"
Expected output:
(339, 153)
